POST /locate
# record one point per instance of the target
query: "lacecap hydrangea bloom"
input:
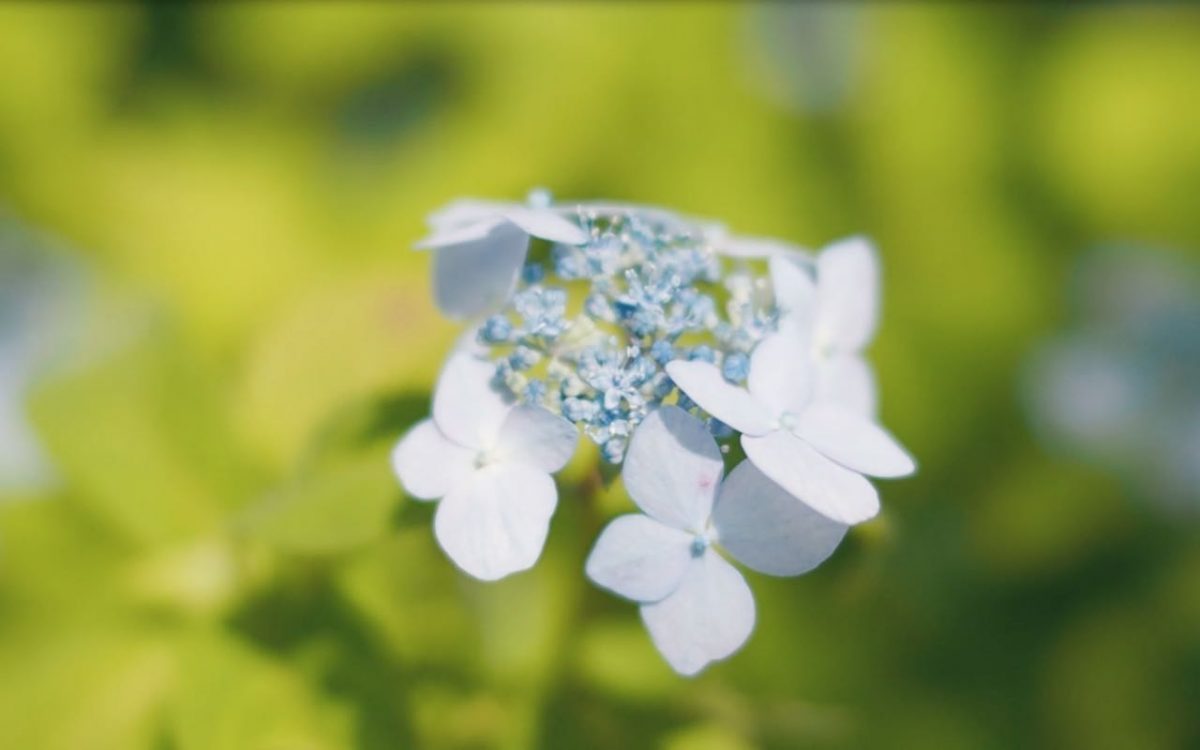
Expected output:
(659, 338)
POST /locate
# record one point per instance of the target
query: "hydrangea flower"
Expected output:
(480, 246)
(816, 450)
(837, 311)
(654, 335)
(696, 606)
(490, 464)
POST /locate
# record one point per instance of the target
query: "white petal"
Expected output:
(846, 380)
(546, 224)
(704, 384)
(640, 558)
(428, 463)
(457, 234)
(477, 276)
(781, 372)
(466, 406)
(708, 617)
(467, 211)
(767, 529)
(795, 290)
(754, 247)
(833, 491)
(535, 437)
(847, 294)
(853, 441)
(496, 523)
(673, 468)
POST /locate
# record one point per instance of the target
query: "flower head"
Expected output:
(695, 604)
(587, 334)
(654, 335)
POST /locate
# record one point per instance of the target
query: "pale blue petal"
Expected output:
(763, 527)
(478, 275)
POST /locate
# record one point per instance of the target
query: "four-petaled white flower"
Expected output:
(837, 313)
(696, 605)
(816, 450)
(490, 463)
(480, 247)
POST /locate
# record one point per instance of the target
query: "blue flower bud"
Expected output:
(598, 307)
(568, 262)
(533, 273)
(579, 409)
(662, 351)
(736, 367)
(613, 450)
(523, 358)
(535, 392)
(495, 330)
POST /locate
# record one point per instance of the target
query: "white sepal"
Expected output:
(496, 523)
(428, 463)
(828, 488)
(673, 468)
(704, 384)
(707, 618)
(639, 558)
(535, 437)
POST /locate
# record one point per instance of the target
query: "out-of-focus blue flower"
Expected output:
(1119, 388)
(42, 310)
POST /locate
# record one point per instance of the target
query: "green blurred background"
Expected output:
(213, 329)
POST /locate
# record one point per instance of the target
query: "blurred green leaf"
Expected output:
(98, 688)
(706, 737)
(384, 339)
(410, 596)
(330, 509)
(55, 563)
(139, 437)
(343, 492)
(617, 657)
(233, 698)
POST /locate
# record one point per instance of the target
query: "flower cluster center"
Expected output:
(590, 328)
